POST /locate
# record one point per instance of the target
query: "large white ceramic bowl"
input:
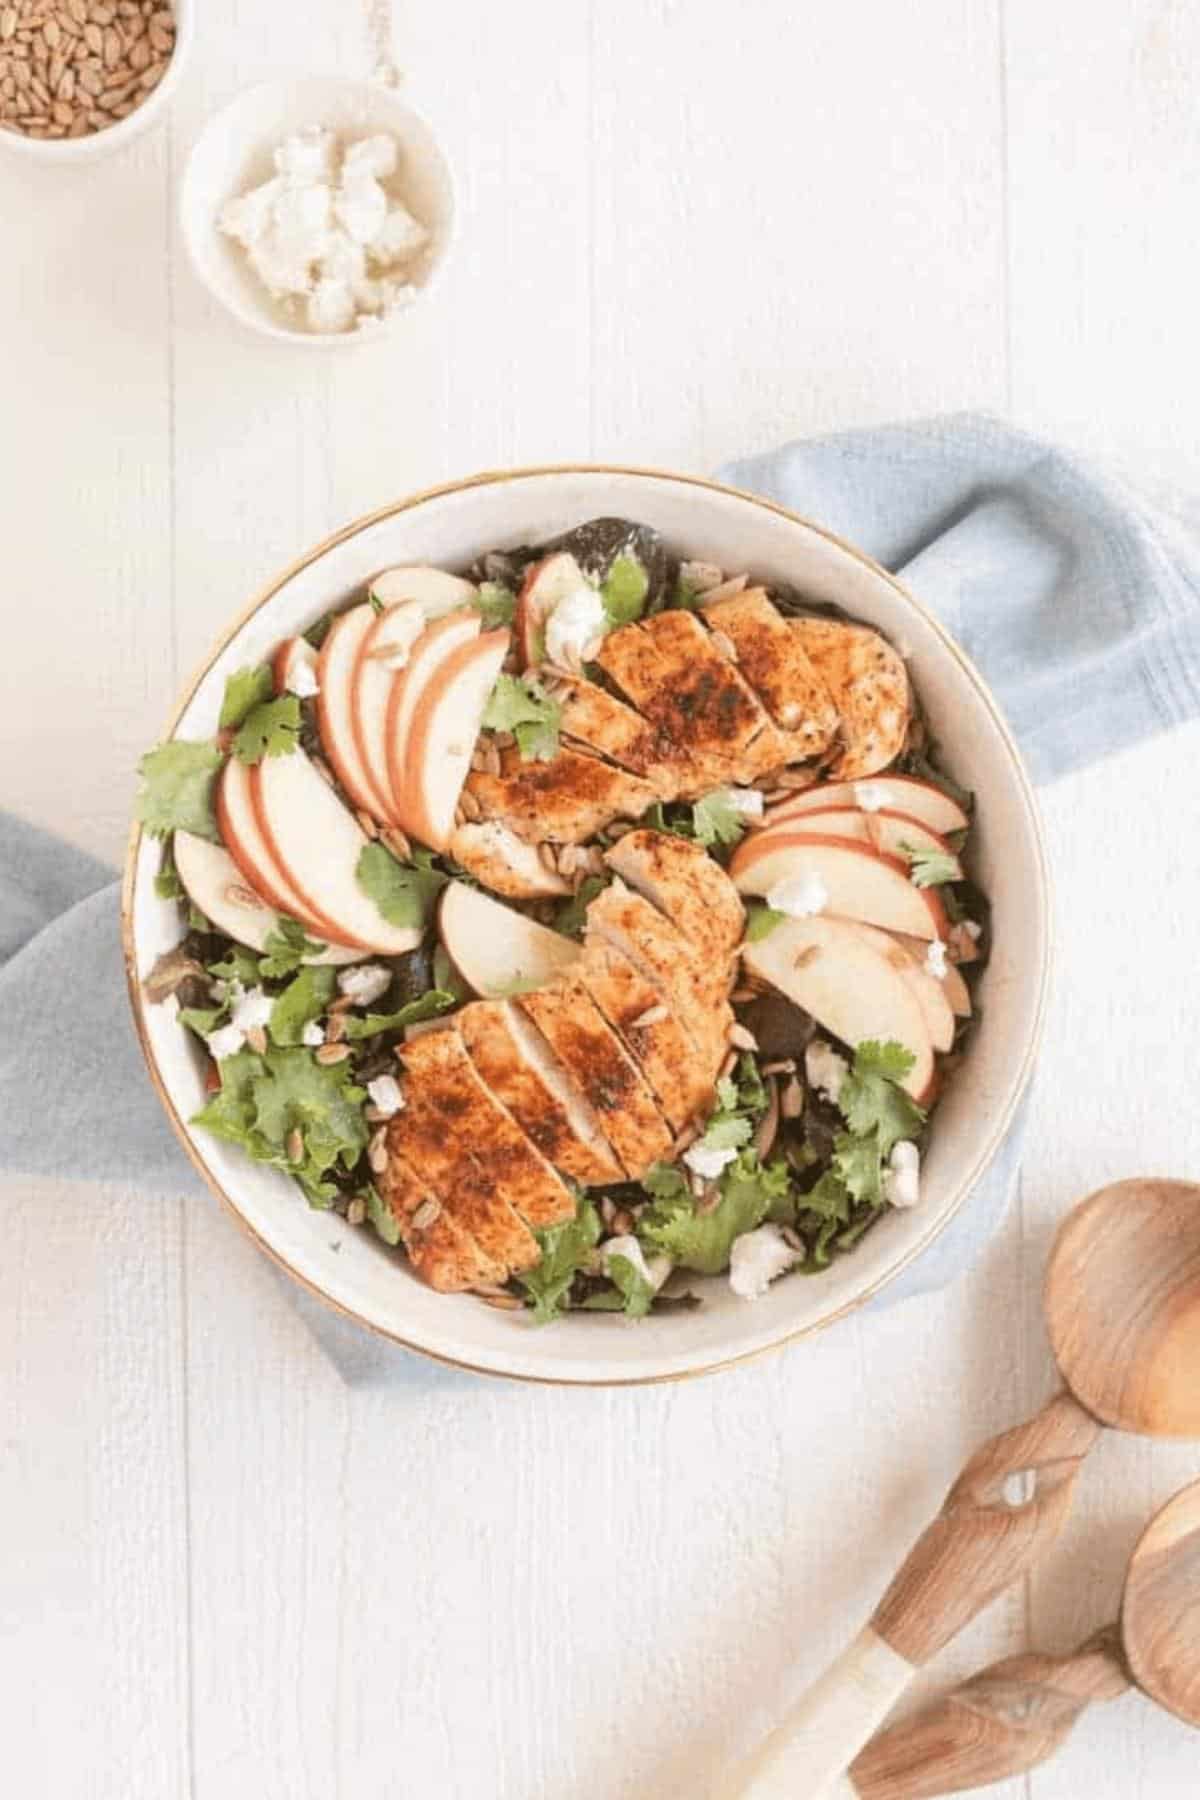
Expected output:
(348, 1266)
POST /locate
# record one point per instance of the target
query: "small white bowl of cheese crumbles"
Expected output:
(318, 211)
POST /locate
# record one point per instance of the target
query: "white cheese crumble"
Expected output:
(226, 1042)
(799, 896)
(869, 796)
(708, 1163)
(385, 1094)
(654, 1272)
(364, 982)
(758, 1258)
(312, 1037)
(825, 1069)
(748, 802)
(251, 1008)
(902, 1179)
(324, 236)
(973, 929)
(302, 678)
(575, 621)
(935, 960)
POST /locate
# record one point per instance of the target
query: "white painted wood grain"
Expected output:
(682, 238)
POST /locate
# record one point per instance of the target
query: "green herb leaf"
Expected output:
(624, 590)
(702, 1241)
(236, 965)
(870, 1099)
(404, 892)
(496, 603)
(726, 1131)
(716, 820)
(829, 1199)
(167, 884)
(317, 632)
(571, 916)
(295, 1092)
(761, 922)
(857, 1161)
(680, 825)
(287, 947)
(566, 1249)
(929, 868)
(517, 704)
(201, 1019)
(665, 1182)
(446, 978)
(425, 1006)
(631, 1284)
(304, 999)
(381, 1216)
(197, 921)
(272, 728)
(685, 597)
(245, 690)
(177, 784)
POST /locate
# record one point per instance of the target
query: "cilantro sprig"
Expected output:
(929, 867)
(405, 893)
(177, 789)
(879, 1113)
(716, 820)
(271, 728)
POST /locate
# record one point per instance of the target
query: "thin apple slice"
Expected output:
(335, 704)
(860, 883)
(294, 668)
(497, 951)
(318, 843)
(437, 590)
(384, 653)
(900, 793)
(243, 837)
(445, 727)
(892, 832)
(956, 990)
(504, 862)
(909, 961)
(435, 645)
(545, 584)
(218, 887)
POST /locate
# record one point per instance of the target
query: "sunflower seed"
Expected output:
(791, 1099)
(742, 1039)
(356, 1212)
(427, 1214)
(472, 811)
(503, 1302)
(332, 1053)
(653, 1015)
(377, 1152)
(335, 1029)
(722, 642)
(549, 857)
(256, 1037)
(795, 780)
(295, 1145)
(785, 1065)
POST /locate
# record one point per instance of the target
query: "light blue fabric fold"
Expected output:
(1078, 598)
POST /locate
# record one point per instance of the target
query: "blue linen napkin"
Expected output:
(1078, 598)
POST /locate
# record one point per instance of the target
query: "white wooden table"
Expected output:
(687, 232)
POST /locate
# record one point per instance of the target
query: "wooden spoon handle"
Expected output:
(1001, 1722)
(1008, 1505)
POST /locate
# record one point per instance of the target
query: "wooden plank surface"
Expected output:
(225, 1573)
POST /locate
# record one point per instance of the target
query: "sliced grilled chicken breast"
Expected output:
(641, 1015)
(517, 1066)
(686, 885)
(561, 801)
(869, 685)
(504, 862)
(441, 1252)
(610, 1081)
(774, 661)
(594, 717)
(660, 952)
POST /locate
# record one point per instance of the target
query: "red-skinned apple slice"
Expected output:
(956, 990)
(831, 969)
(891, 832)
(437, 591)
(545, 584)
(384, 652)
(899, 793)
(219, 888)
(445, 727)
(861, 883)
(335, 703)
(435, 645)
(294, 667)
(318, 842)
(243, 837)
(931, 995)
(497, 951)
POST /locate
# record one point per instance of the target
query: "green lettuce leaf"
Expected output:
(177, 788)
(404, 892)
(571, 916)
(624, 590)
(634, 1289)
(566, 1249)
(496, 603)
(761, 922)
(929, 868)
(304, 999)
(238, 964)
(381, 1215)
(425, 1006)
(245, 690)
(702, 1241)
(517, 704)
(287, 946)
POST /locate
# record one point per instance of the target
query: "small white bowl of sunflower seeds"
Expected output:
(80, 78)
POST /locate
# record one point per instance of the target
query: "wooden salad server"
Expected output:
(1016, 1714)
(1122, 1304)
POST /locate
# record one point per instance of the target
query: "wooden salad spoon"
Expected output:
(1122, 1304)
(1016, 1714)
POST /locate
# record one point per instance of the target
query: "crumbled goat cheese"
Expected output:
(869, 796)
(799, 896)
(708, 1163)
(571, 626)
(757, 1258)
(973, 929)
(251, 1008)
(935, 959)
(825, 1069)
(302, 679)
(654, 1272)
(307, 156)
(330, 307)
(399, 237)
(385, 1094)
(312, 1036)
(360, 207)
(746, 801)
(902, 1180)
(374, 157)
(226, 1042)
(364, 982)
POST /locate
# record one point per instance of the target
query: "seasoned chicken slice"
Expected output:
(562, 801)
(611, 1083)
(869, 685)
(685, 884)
(593, 716)
(504, 863)
(517, 1065)
(778, 668)
(441, 1252)
(660, 952)
(657, 1042)
(482, 1168)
